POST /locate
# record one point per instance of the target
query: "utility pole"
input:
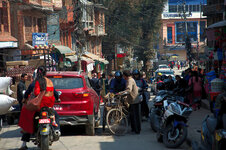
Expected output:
(77, 33)
(187, 38)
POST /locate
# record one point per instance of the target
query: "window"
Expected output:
(172, 8)
(67, 83)
(39, 24)
(4, 17)
(169, 35)
(34, 24)
(27, 21)
(180, 31)
(202, 29)
(1, 18)
(192, 30)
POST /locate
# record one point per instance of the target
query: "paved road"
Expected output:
(73, 138)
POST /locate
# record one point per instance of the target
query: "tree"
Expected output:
(133, 23)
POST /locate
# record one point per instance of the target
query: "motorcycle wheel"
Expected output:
(44, 145)
(175, 139)
(159, 137)
(154, 121)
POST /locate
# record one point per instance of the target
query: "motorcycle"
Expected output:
(46, 133)
(211, 138)
(157, 109)
(173, 128)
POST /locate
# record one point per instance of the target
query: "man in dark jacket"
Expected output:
(21, 88)
(95, 82)
(118, 84)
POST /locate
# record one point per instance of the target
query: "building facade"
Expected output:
(178, 15)
(93, 28)
(31, 16)
(8, 42)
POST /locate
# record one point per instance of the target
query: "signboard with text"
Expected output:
(39, 39)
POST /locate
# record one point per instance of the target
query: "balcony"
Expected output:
(213, 9)
(44, 5)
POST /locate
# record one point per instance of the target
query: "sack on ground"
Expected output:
(5, 103)
(5, 85)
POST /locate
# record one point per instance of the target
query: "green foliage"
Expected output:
(133, 23)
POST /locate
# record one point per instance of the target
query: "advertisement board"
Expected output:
(39, 39)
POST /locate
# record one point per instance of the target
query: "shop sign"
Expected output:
(39, 39)
(174, 15)
(8, 44)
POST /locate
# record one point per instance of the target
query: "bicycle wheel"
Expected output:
(117, 122)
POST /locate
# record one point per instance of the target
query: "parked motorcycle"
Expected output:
(157, 109)
(45, 134)
(173, 128)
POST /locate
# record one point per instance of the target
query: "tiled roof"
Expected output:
(5, 37)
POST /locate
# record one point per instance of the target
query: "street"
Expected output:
(74, 138)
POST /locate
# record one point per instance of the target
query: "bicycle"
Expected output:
(116, 116)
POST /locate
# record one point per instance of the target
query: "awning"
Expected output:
(95, 57)
(63, 49)
(74, 58)
(218, 24)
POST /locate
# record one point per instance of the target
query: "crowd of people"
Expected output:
(133, 84)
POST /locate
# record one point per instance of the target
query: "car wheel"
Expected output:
(97, 118)
(90, 127)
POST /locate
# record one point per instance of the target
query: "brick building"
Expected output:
(8, 43)
(93, 21)
(30, 16)
(173, 27)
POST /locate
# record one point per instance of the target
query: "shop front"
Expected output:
(100, 64)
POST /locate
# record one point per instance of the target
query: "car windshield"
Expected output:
(163, 67)
(67, 83)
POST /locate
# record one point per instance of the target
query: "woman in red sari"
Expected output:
(26, 121)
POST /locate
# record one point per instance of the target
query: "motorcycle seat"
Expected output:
(211, 123)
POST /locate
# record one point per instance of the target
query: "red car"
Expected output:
(79, 102)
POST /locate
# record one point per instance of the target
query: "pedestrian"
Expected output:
(196, 83)
(109, 80)
(21, 88)
(118, 84)
(95, 84)
(103, 84)
(26, 121)
(133, 100)
(181, 64)
(178, 66)
(142, 85)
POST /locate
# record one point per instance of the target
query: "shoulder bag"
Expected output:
(33, 103)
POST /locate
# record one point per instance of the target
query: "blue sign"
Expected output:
(39, 39)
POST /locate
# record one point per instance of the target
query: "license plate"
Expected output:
(57, 107)
(43, 121)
